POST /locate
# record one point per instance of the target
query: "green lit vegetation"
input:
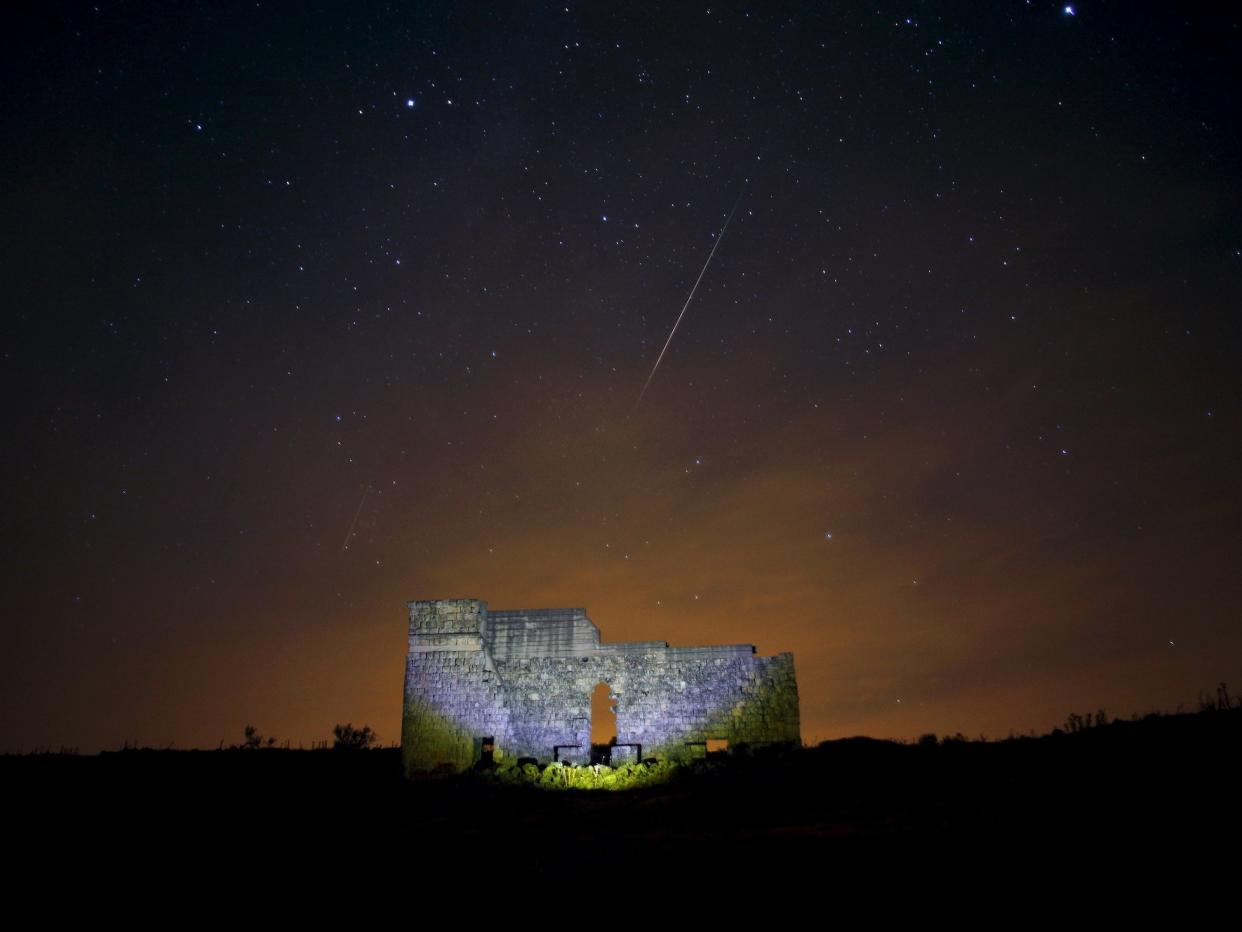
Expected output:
(558, 776)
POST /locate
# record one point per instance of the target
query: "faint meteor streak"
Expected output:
(353, 524)
(702, 272)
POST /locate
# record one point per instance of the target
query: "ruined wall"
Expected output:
(525, 678)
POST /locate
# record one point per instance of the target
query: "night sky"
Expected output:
(312, 310)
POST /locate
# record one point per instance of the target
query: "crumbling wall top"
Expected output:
(517, 634)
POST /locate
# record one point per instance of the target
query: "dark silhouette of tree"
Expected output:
(255, 740)
(349, 738)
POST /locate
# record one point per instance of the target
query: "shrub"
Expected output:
(349, 738)
(255, 740)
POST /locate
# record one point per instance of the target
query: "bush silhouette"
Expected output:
(349, 738)
(255, 740)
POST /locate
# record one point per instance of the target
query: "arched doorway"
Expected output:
(603, 723)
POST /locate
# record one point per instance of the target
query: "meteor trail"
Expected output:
(353, 524)
(702, 272)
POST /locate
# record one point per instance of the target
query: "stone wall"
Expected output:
(525, 678)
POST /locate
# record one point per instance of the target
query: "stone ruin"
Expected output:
(494, 685)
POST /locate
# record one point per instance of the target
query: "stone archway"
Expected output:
(603, 722)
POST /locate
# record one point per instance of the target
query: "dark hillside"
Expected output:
(1155, 790)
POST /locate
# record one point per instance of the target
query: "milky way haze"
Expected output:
(311, 311)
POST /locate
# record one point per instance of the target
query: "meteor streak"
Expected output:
(702, 272)
(353, 524)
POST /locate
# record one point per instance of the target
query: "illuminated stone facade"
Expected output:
(523, 680)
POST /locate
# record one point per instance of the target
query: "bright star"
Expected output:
(409, 102)
(1068, 10)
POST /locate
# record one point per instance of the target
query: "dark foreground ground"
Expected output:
(1139, 803)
